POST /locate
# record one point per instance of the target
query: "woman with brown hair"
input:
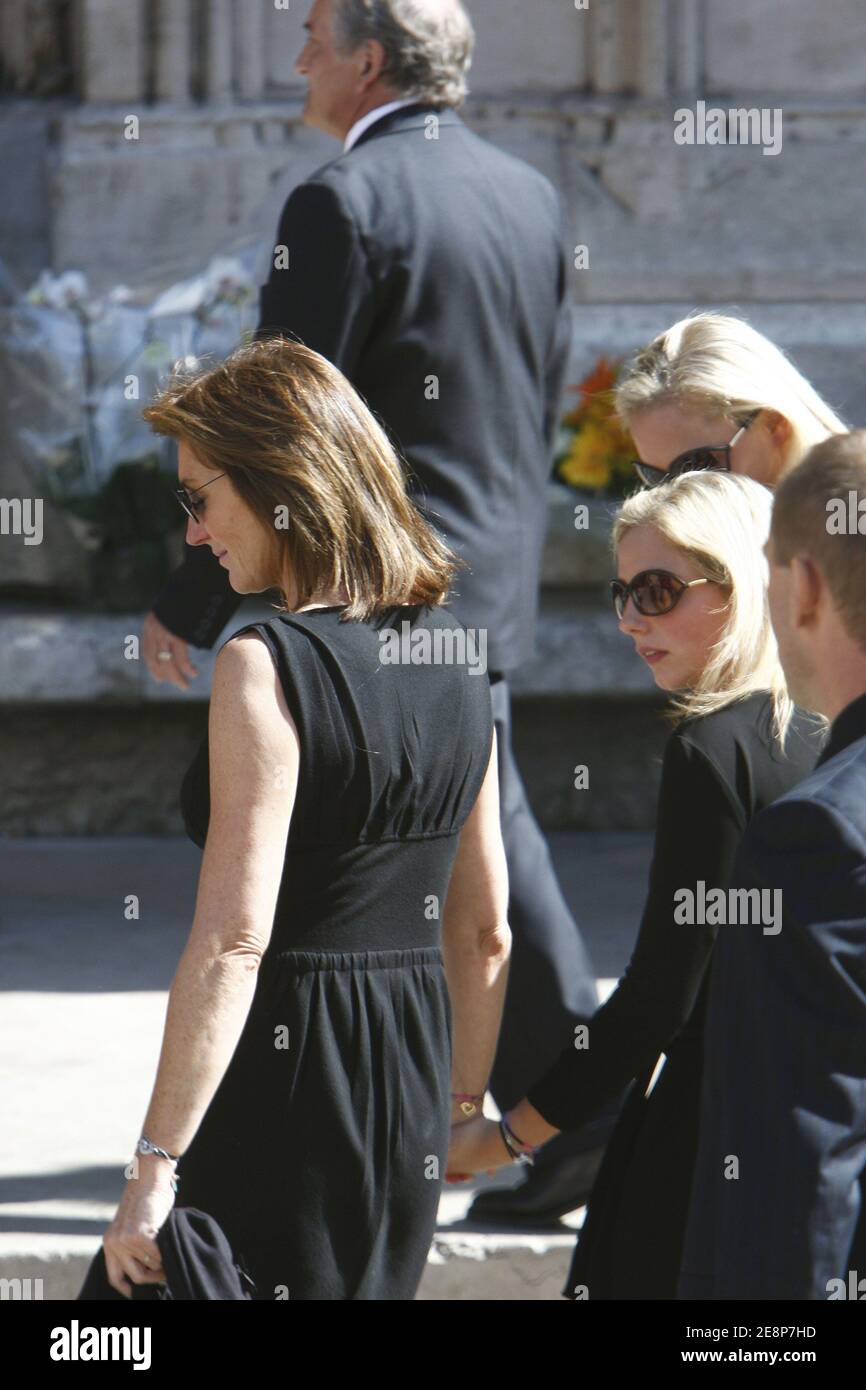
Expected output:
(347, 806)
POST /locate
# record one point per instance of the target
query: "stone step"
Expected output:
(76, 711)
(55, 657)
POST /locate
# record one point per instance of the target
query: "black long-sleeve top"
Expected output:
(718, 771)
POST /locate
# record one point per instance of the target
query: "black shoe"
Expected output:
(551, 1190)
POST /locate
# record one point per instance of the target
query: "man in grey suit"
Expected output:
(431, 268)
(778, 1205)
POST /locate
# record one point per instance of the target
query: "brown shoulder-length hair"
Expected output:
(306, 455)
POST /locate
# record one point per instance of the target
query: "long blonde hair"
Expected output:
(723, 365)
(721, 521)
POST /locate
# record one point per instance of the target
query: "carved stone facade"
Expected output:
(589, 95)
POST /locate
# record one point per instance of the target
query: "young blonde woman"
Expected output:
(348, 810)
(713, 393)
(691, 594)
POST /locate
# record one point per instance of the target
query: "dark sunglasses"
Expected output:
(186, 499)
(654, 592)
(706, 456)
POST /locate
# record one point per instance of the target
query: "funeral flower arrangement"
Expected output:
(77, 371)
(595, 451)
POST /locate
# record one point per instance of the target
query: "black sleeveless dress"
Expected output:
(322, 1152)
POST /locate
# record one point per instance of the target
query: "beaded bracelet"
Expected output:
(517, 1155)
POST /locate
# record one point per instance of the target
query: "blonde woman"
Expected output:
(713, 393)
(691, 594)
(348, 810)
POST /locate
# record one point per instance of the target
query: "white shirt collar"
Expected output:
(375, 115)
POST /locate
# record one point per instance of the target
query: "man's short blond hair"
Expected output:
(819, 509)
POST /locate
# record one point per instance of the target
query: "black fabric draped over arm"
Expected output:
(698, 828)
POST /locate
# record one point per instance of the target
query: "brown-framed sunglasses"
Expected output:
(654, 592)
(185, 498)
(715, 457)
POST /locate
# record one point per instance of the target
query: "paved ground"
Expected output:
(83, 1004)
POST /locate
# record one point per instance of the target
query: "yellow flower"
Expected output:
(599, 454)
(587, 462)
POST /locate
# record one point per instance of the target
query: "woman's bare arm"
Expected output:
(476, 939)
(254, 759)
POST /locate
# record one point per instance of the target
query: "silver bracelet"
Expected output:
(144, 1146)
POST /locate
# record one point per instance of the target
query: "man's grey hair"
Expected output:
(428, 44)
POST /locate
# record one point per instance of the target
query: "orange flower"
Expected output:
(594, 388)
(601, 378)
(598, 455)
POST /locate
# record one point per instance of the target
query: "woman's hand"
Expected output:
(156, 638)
(476, 1146)
(131, 1252)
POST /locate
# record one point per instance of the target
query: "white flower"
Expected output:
(224, 281)
(65, 291)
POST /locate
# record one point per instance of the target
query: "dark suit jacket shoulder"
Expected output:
(784, 1089)
(433, 273)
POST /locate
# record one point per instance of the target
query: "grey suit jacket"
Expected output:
(433, 272)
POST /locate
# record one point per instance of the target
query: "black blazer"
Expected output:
(784, 1088)
(433, 273)
(719, 771)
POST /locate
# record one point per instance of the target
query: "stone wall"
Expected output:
(587, 95)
